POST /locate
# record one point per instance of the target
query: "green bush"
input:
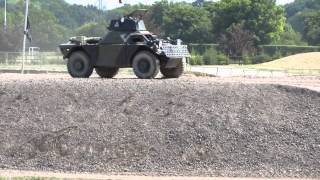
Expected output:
(277, 55)
(202, 48)
(271, 50)
(261, 58)
(222, 59)
(196, 59)
(246, 59)
(210, 57)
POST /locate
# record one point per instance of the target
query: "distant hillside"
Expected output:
(53, 22)
(297, 9)
(71, 16)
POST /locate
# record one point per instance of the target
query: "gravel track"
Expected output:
(160, 127)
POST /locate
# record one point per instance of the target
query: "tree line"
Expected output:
(238, 25)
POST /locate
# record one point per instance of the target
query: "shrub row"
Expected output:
(210, 57)
(286, 50)
(209, 54)
(202, 48)
(270, 50)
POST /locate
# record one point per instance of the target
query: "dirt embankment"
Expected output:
(160, 127)
(305, 61)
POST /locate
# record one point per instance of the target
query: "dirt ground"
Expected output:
(90, 176)
(310, 82)
(193, 126)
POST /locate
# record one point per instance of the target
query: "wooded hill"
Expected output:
(53, 22)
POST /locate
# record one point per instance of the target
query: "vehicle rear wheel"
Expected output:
(146, 65)
(105, 72)
(79, 65)
(173, 72)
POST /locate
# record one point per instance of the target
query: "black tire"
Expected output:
(79, 65)
(173, 72)
(105, 72)
(146, 65)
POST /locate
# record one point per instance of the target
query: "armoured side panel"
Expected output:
(131, 51)
(92, 51)
(112, 50)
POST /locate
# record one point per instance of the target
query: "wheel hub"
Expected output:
(144, 66)
(78, 65)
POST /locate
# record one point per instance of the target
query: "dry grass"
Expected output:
(304, 61)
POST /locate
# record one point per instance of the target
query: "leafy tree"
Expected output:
(53, 22)
(300, 13)
(263, 18)
(189, 23)
(290, 37)
(10, 40)
(299, 6)
(46, 31)
(312, 28)
(238, 41)
(92, 29)
(155, 18)
(198, 3)
(70, 16)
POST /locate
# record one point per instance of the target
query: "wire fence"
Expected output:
(50, 61)
(35, 58)
(53, 62)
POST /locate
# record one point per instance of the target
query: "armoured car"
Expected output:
(127, 44)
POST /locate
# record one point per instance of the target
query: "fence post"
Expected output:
(6, 58)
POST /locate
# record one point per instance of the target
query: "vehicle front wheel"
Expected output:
(105, 72)
(79, 65)
(146, 65)
(175, 72)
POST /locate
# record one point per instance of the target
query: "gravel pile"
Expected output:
(160, 127)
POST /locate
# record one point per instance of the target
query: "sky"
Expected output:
(110, 4)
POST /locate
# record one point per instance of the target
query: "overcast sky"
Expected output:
(110, 4)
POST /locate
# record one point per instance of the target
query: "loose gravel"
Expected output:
(160, 127)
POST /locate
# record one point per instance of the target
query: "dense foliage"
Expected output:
(304, 17)
(264, 22)
(263, 18)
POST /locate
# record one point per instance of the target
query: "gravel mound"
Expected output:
(160, 127)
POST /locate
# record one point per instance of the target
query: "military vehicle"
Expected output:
(127, 44)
